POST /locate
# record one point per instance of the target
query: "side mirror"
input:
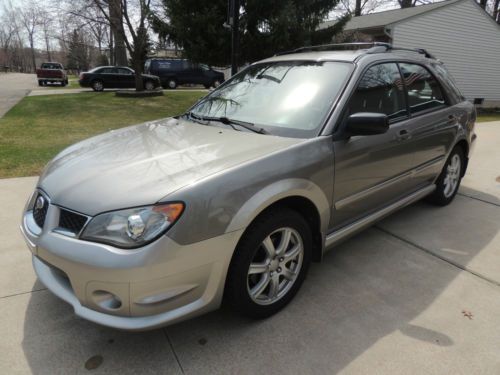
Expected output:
(367, 123)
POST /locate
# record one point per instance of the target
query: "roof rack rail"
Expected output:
(373, 47)
(333, 46)
(389, 47)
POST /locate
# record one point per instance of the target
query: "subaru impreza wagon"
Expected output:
(231, 201)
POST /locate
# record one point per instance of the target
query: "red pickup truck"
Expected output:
(51, 72)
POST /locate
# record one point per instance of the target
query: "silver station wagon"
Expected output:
(231, 201)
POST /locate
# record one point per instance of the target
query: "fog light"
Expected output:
(135, 226)
(106, 300)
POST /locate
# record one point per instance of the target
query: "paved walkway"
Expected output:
(13, 87)
(58, 91)
(419, 293)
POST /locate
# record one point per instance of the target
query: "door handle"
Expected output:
(403, 135)
(452, 119)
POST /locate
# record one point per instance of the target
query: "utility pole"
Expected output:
(234, 22)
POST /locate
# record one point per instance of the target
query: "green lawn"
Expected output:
(38, 127)
(72, 83)
(488, 117)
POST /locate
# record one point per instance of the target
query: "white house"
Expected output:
(458, 32)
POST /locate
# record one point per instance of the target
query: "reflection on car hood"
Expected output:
(141, 164)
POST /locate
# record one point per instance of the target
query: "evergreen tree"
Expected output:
(266, 27)
(78, 54)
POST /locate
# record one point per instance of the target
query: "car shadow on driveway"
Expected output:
(376, 303)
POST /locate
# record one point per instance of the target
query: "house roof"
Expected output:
(381, 19)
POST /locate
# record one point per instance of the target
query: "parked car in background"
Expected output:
(155, 223)
(115, 77)
(174, 72)
(51, 72)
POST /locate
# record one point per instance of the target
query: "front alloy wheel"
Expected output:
(149, 85)
(269, 264)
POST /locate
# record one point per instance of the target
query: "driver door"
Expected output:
(373, 170)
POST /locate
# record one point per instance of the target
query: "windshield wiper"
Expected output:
(228, 121)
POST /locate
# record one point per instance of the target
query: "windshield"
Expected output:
(290, 98)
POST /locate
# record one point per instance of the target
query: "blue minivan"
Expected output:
(174, 72)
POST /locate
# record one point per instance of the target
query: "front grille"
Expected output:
(71, 221)
(40, 210)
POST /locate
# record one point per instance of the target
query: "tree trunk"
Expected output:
(496, 11)
(116, 18)
(357, 8)
(139, 85)
(48, 47)
(482, 3)
(32, 47)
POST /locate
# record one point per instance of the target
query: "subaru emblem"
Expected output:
(40, 202)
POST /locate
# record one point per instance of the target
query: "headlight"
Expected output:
(133, 227)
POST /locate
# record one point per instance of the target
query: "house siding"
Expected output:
(465, 39)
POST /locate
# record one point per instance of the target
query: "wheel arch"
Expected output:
(303, 196)
(464, 145)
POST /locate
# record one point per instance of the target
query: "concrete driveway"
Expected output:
(419, 293)
(13, 87)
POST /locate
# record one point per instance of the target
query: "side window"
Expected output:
(107, 71)
(124, 71)
(381, 91)
(424, 92)
(445, 76)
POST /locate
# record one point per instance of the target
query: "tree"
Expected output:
(30, 16)
(136, 38)
(265, 27)
(358, 7)
(78, 54)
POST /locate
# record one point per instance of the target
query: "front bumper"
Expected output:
(159, 284)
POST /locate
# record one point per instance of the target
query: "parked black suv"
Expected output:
(174, 72)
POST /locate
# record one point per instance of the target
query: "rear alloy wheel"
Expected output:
(171, 84)
(97, 86)
(448, 181)
(149, 85)
(270, 264)
(216, 83)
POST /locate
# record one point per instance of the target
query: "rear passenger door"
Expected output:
(108, 76)
(126, 78)
(434, 122)
(373, 170)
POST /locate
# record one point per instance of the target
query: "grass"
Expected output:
(38, 127)
(488, 117)
(72, 83)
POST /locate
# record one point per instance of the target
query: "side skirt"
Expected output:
(343, 233)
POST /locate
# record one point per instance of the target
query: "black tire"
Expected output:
(149, 85)
(40, 83)
(216, 83)
(444, 194)
(237, 291)
(207, 86)
(171, 84)
(97, 85)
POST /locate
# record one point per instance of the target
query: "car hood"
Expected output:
(140, 165)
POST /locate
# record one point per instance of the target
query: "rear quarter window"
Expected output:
(449, 81)
(424, 91)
